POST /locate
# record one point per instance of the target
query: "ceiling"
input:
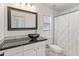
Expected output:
(62, 6)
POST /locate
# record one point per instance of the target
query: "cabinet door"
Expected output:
(1, 23)
(30, 52)
(41, 51)
(14, 51)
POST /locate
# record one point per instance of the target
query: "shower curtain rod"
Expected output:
(67, 13)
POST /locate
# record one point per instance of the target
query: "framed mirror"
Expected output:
(21, 19)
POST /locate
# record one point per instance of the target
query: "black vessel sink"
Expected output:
(33, 37)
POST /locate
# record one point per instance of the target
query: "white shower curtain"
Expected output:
(67, 33)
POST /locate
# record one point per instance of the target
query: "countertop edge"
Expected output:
(22, 44)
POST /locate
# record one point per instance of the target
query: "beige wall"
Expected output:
(56, 13)
(68, 10)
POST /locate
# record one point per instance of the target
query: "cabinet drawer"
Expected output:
(30, 52)
(18, 54)
(35, 45)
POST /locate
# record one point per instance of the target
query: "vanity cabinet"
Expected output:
(35, 49)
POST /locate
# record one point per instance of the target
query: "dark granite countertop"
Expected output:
(7, 44)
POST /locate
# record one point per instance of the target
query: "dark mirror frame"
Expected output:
(9, 19)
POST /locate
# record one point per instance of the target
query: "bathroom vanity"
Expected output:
(20, 48)
(17, 20)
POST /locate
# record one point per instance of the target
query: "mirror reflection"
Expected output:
(21, 19)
